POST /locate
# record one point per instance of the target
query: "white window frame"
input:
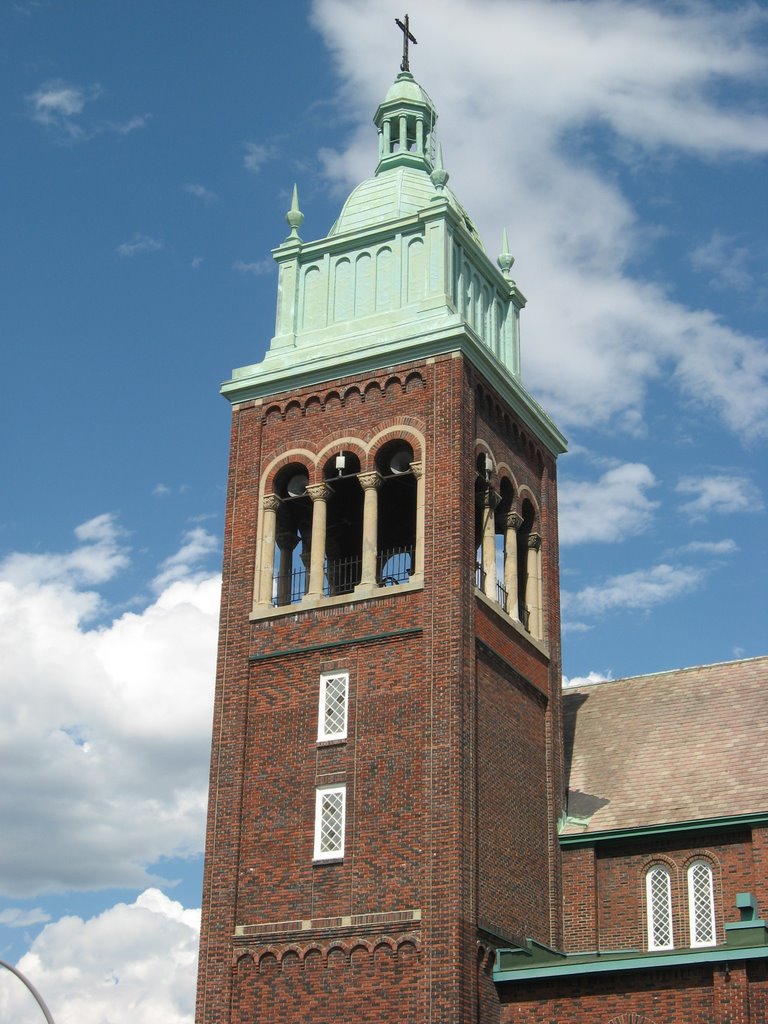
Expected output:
(693, 917)
(341, 734)
(321, 817)
(653, 916)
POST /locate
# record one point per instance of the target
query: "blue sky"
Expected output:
(150, 150)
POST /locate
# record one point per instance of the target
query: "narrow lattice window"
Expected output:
(329, 822)
(659, 898)
(334, 701)
(701, 904)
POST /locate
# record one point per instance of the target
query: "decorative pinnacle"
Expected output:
(439, 174)
(506, 259)
(294, 216)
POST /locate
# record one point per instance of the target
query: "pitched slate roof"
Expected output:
(676, 746)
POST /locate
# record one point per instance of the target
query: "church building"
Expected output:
(408, 819)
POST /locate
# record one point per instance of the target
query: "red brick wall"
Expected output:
(616, 887)
(411, 763)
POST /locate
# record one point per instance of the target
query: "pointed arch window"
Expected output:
(658, 887)
(701, 904)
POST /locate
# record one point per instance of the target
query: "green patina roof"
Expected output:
(391, 194)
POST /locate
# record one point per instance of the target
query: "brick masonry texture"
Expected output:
(428, 717)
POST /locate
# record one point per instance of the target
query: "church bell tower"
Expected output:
(386, 776)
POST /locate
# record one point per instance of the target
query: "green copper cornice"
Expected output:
(576, 839)
(401, 276)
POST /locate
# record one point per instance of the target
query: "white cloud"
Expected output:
(712, 547)
(60, 106)
(257, 267)
(256, 156)
(720, 495)
(21, 917)
(637, 591)
(524, 85)
(184, 563)
(726, 263)
(133, 964)
(105, 730)
(139, 245)
(608, 509)
(201, 192)
(587, 680)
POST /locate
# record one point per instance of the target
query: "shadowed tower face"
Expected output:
(386, 768)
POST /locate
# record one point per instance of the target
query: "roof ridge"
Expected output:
(670, 672)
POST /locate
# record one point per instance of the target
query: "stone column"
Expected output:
(418, 552)
(403, 134)
(286, 542)
(491, 500)
(514, 522)
(270, 505)
(319, 494)
(420, 136)
(370, 483)
(533, 585)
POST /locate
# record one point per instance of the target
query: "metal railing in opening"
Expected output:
(394, 566)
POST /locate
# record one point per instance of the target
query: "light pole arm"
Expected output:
(39, 999)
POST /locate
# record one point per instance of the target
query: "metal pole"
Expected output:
(38, 998)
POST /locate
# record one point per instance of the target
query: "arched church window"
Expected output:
(500, 536)
(658, 888)
(701, 904)
(293, 535)
(396, 531)
(485, 498)
(528, 569)
(344, 526)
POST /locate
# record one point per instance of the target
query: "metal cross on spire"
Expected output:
(403, 26)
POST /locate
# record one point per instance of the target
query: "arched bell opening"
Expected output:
(501, 540)
(396, 530)
(293, 535)
(527, 553)
(484, 509)
(344, 529)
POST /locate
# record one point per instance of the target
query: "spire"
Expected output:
(439, 174)
(506, 259)
(294, 217)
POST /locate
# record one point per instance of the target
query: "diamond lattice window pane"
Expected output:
(660, 909)
(332, 821)
(701, 896)
(335, 710)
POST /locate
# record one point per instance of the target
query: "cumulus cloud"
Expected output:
(105, 730)
(587, 680)
(637, 591)
(712, 547)
(525, 85)
(133, 964)
(138, 245)
(719, 495)
(609, 509)
(184, 564)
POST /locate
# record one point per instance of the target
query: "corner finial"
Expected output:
(439, 174)
(506, 259)
(403, 26)
(294, 216)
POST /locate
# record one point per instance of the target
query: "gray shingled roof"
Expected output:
(677, 746)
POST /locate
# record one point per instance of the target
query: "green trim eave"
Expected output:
(694, 825)
(612, 963)
(323, 370)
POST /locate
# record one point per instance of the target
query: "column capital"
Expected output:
(319, 492)
(514, 520)
(270, 503)
(370, 480)
(417, 468)
(534, 541)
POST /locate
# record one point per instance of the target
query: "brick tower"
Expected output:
(386, 776)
